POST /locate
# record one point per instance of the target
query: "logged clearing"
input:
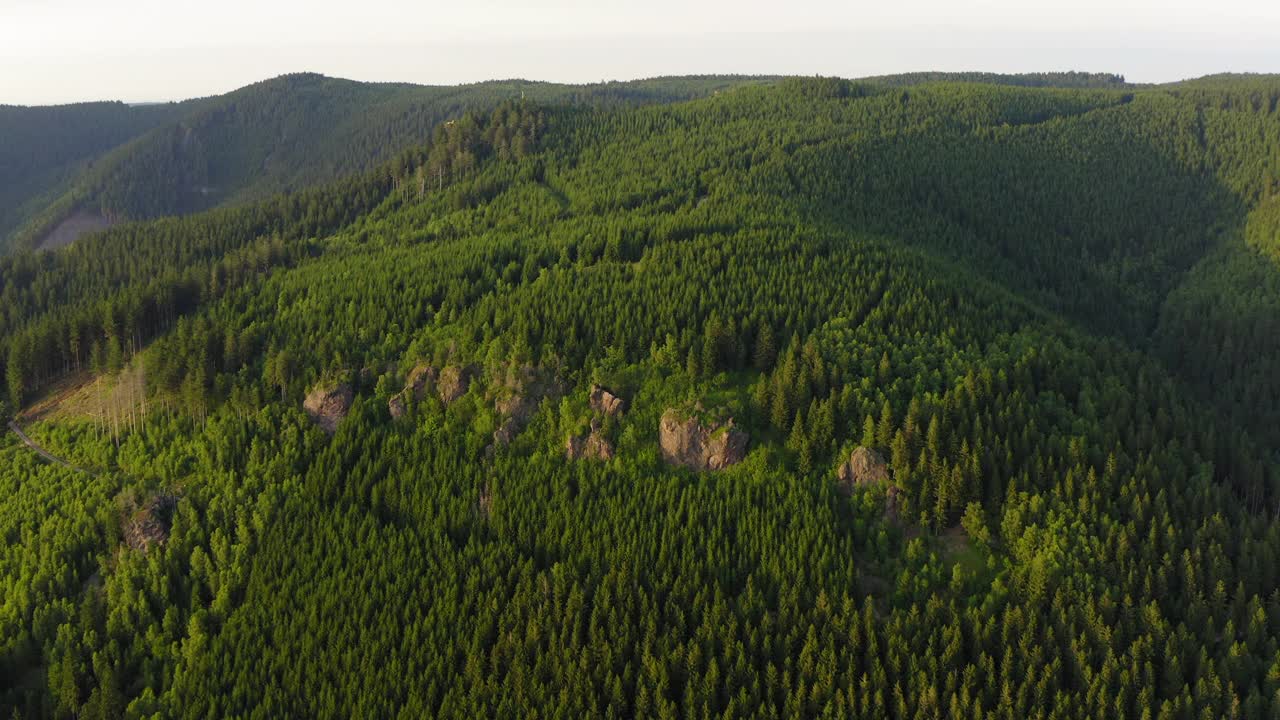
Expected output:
(105, 399)
(68, 231)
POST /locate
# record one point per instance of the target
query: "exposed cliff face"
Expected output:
(893, 504)
(864, 466)
(605, 402)
(594, 444)
(688, 443)
(326, 406)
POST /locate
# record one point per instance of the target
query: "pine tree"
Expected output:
(766, 351)
(884, 430)
(17, 367)
(779, 409)
(868, 432)
(693, 364)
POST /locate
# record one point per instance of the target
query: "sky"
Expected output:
(57, 51)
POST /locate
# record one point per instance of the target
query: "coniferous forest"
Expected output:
(925, 396)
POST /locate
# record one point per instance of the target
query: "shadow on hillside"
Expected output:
(1096, 217)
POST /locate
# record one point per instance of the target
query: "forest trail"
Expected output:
(45, 453)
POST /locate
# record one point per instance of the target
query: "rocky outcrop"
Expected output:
(590, 446)
(864, 467)
(327, 405)
(605, 402)
(594, 444)
(686, 442)
(397, 406)
(148, 526)
(506, 432)
(453, 382)
(518, 397)
(422, 381)
(484, 504)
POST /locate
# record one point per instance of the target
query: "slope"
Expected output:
(41, 148)
(278, 135)
(833, 264)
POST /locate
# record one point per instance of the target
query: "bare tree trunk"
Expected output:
(102, 403)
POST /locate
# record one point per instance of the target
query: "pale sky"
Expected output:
(54, 51)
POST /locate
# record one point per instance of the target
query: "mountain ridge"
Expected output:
(362, 125)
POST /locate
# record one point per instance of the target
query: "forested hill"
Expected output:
(43, 148)
(284, 134)
(801, 398)
(1050, 79)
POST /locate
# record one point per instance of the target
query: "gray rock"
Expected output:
(453, 382)
(148, 526)
(605, 402)
(864, 466)
(591, 446)
(688, 443)
(326, 406)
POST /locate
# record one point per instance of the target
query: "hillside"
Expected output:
(42, 149)
(1047, 80)
(803, 398)
(279, 135)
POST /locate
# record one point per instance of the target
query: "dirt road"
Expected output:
(42, 452)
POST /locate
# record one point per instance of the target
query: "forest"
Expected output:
(44, 147)
(939, 395)
(289, 133)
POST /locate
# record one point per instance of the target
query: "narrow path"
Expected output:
(44, 453)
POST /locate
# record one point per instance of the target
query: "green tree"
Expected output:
(766, 351)
(868, 432)
(17, 369)
(975, 525)
(280, 370)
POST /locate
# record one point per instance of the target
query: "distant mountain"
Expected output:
(97, 164)
(1050, 79)
(43, 149)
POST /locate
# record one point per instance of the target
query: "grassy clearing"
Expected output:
(106, 399)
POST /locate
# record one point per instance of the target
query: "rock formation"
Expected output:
(893, 503)
(687, 442)
(327, 405)
(519, 396)
(148, 526)
(605, 402)
(397, 406)
(864, 466)
(453, 382)
(421, 382)
(592, 445)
